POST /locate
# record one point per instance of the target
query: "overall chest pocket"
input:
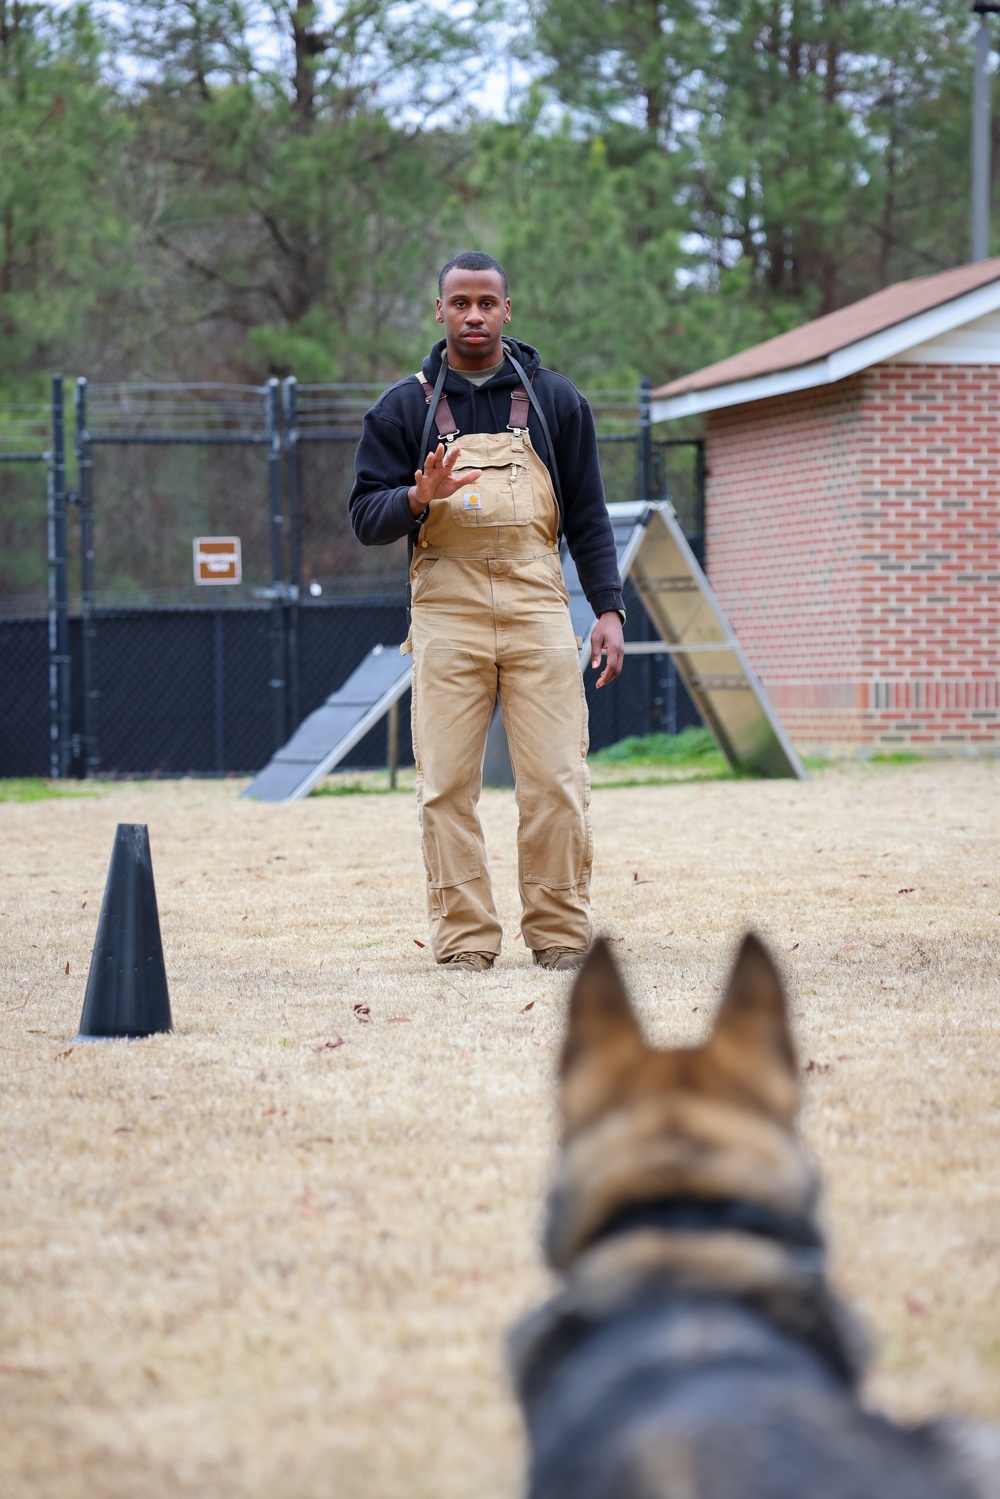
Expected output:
(503, 494)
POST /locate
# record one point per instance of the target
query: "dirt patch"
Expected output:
(276, 1252)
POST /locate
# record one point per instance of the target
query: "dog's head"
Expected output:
(713, 1123)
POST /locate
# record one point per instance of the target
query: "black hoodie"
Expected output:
(388, 454)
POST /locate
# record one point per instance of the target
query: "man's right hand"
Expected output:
(436, 480)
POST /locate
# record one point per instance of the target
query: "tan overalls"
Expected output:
(489, 614)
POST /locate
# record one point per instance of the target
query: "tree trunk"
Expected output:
(309, 44)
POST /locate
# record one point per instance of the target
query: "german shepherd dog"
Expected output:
(695, 1350)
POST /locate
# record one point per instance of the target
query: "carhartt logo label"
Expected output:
(473, 501)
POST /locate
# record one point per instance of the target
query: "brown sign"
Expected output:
(217, 559)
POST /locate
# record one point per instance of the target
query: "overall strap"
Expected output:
(437, 410)
(553, 466)
(518, 409)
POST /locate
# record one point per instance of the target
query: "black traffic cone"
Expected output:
(127, 986)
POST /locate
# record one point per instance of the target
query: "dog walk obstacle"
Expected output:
(693, 629)
(127, 986)
(654, 553)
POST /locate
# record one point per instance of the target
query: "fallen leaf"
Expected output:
(529, 1006)
(307, 1203)
(906, 890)
(793, 947)
(67, 1053)
(329, 1046)
(418, 942)
(67, 968)
(362, 1012)
(84, 906)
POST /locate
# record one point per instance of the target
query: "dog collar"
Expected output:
(712, 1215)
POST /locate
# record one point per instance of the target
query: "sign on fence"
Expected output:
(217, 559)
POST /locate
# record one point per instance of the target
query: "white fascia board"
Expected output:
(841, 363)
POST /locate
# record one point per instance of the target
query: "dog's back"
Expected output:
(696, 1350)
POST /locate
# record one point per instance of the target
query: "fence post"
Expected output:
(277, 681)
(291, 444)
(59, 679)
(646, 438)
(392, 732)
(84, 461)
(700, 474)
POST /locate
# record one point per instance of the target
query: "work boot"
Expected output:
(562, 959)
(470, 962)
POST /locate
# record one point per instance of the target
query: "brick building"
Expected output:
(852, 514)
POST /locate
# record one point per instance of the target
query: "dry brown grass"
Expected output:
(233, 1263)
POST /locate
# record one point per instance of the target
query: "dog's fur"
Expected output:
(696, 1350)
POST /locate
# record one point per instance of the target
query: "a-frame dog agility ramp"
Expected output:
(653, 552)
(693, 629)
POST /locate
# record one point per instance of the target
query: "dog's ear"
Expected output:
(752, 1040)
(603, 1038)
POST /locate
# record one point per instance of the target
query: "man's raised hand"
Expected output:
(436, 480)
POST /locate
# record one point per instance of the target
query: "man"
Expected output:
(458, 458)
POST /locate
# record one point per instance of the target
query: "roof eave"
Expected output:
(862, 354)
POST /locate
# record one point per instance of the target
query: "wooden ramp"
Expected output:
(653, 552)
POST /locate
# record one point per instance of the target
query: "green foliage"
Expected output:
(658, 759)
(237, 188)
(652, 759)
(34, 790)
(594, 294)
(64, 233)
(691, 746)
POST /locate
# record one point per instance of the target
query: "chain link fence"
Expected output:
(148, 671)
(34, 587)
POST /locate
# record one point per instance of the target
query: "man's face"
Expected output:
(473, 308)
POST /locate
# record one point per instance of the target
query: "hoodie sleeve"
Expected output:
(383, 472)
(586, 521)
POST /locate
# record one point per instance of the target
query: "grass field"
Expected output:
(275, 1253)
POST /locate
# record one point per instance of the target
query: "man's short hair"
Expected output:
(473, 260)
